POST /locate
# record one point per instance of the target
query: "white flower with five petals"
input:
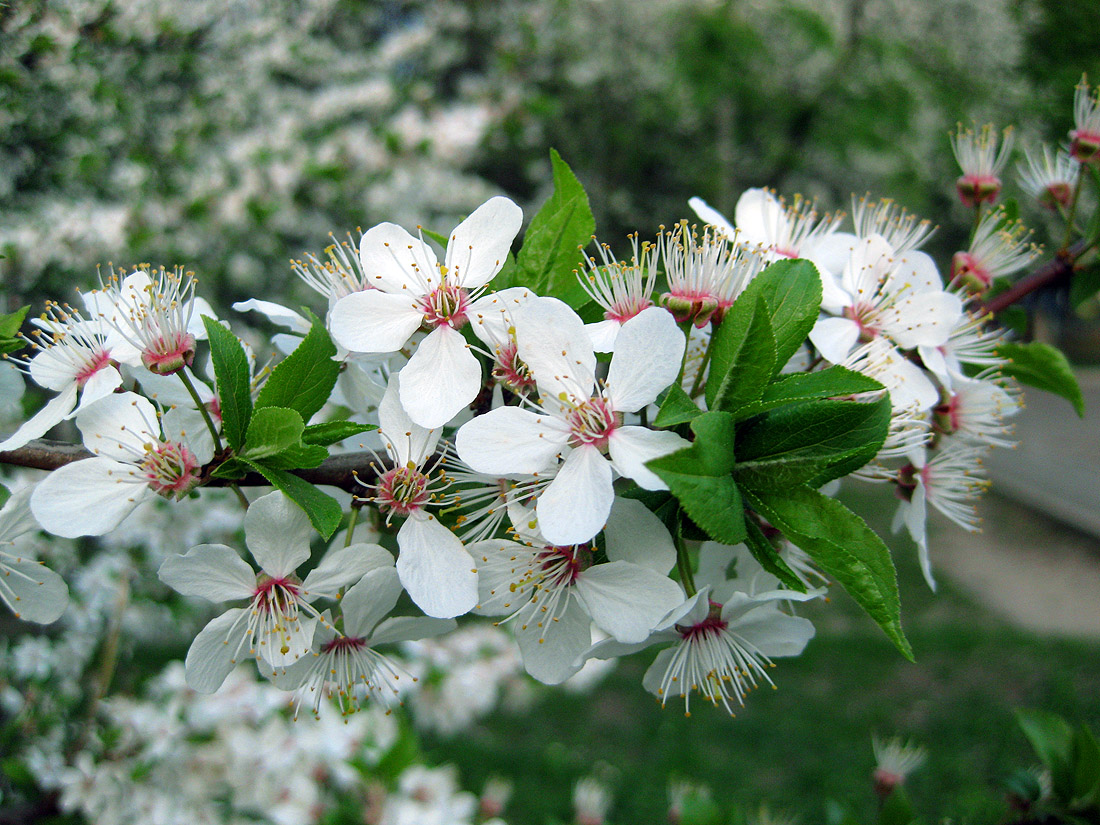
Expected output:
(277, 533)
(137, 456)
(411, 289)
(577, 422)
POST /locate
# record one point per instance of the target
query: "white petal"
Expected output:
(632, 447)
(210, 571)
(285, 646)
(551, 340)
(441, 378)
(119, 426)
(410, 628)
(52, 370)
(404, 440)
(917, 271)
(374, 321)
(102, 383)
(574, 506)
(276, 313)
(435, 568)
(773, 632)
(55, 411)
(647, 359)
(829, 253)
(186, 426)
(924, 319)
(634, 534)
(32, 591)
(708, 214)
(88, 497)
(369, 601)
(602, 334)
(277, 532)
(552, 653)
(479, 245)
(15, 516)
(491, 315)
(626, 600)
(216, 651)
(511, 440)
(834, 337)
(760, 218)
(394, 261)
(655, 674)
(343, 566)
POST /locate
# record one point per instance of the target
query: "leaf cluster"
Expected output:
(271, 435)
(768, 441)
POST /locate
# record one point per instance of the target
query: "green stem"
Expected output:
(683, 564)
(352, 519)
(202, 409)
(698, 382)
(1073, 208)
(241, 497)
(977, 221)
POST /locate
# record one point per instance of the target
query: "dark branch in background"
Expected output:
(1058, 268)
(335, 471)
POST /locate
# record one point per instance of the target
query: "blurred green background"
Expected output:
(232, 135)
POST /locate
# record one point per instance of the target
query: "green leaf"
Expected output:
(1086, 282)
(298, 457)
(767, 557)
(677, 408)
(1045, 367)
(8, 345)
(438, 237)
(325, 512)
(233, 379)
(304, 379)
(833, 382)
(5, 494)
(844, 547)
(329, 432)
(1052, 738)
(792, 289)
(11, 323)
(742, 356)
(551, 250)
(896, 808)
(1086, 769)
(838, 436)
(272, 430)
(231, 469)
(699, 477)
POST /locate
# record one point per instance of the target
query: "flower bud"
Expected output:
(167, 357)
(968, 271)
(976, 189)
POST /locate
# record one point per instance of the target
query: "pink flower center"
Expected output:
(712, 625)
(510, 370)
(98, 360)
(402, 490)
(169, 354)
(171, 469)
(445, 306)
(592, 422)
(342, 643)
(564, 564)
(864, 316)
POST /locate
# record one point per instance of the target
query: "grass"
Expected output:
(809, 741)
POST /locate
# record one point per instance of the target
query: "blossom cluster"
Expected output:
(603, 454)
